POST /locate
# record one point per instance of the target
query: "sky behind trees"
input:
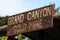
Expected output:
(11, 7)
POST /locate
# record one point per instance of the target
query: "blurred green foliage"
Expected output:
(20, 37)
(3, 20)
(57, 9)
(3, 38)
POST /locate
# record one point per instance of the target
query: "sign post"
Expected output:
(32, 20)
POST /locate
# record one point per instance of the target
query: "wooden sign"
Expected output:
(33, 20)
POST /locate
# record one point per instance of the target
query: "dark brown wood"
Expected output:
(32, 20)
